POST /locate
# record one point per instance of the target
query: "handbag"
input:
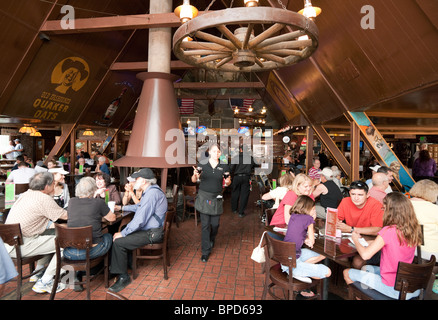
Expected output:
(258, 254)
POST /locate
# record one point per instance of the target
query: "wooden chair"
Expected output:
(189, 201)
(155, 250)
(21, 187)
(80, 238)
(11, 234)
(284, 253)
(174, 204)
(410, 278)
(269, 213)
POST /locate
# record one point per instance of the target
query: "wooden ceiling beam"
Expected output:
(126, 22)
(218, 97)
(218, 85)
(143, 66)
(401, 114)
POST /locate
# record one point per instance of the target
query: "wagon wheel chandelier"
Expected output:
(286, 38)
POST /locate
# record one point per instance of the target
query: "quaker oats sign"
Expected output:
(53, 90)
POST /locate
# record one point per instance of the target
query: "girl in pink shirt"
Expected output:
(397, 241)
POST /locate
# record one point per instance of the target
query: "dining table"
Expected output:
(338, 250)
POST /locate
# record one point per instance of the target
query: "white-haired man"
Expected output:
(146, 226)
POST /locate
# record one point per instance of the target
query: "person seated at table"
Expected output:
(285, 184)
(388, 172)
(85, 210)
(18, 160)
(362, 213)
(86, 167)
(301, 231)
(337, 176)
(103, 182)
(145, 227)
(61, 194)
(102, 166)
(131, 196)
(380, 183)
(36, 211)
(52, 164)
(22, 175)
(40, 167)
(328, 192)
(302, 185)
(424, 194)
(315, 172)
(396, 241)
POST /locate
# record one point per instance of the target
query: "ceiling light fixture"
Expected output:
(247, 39)
(186, 11)
(250, 117)
(26, 129)
(88, 132)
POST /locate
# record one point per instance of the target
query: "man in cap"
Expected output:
(18, 148)
(146, 226)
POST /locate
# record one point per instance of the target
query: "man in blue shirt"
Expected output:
(146, 226)
(102, 166)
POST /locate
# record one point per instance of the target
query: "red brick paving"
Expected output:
(229, 274)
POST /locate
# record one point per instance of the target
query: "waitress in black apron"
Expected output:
(209, 201)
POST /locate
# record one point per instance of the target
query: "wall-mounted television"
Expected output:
(349, 145)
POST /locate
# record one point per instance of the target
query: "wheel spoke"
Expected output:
(205, 52)
(247, 36)
(227, 33)
(283, 37)
(212, 57)
(212, 38)
(265, 34)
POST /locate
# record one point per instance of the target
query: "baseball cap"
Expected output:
(58, 170)
(375, 168)
(130, 179)
(17, 140)
(145, 173)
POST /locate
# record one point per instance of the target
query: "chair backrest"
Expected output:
(175, 195)
(21, 187)
(281, 251)
(168, 223)
(411, 277)
(189, 191)
(80, 238)
(269, 214)
(11, 234)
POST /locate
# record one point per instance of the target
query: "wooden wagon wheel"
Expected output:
(241, 50)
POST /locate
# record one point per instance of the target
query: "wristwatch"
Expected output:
(352, 229)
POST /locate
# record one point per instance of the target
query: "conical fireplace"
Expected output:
(157, 120)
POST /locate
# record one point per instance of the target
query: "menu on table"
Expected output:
(330, 222)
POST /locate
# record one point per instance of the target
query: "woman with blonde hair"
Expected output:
(424, 195)
(397, 240)
(302, 185)
(277, 194)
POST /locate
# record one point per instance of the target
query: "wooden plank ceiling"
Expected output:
(391, 72)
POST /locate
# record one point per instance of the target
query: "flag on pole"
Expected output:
(186, 106)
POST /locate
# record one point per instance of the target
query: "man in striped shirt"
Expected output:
(315, 172)
(35, 211)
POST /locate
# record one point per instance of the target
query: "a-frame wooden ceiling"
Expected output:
(391, 72)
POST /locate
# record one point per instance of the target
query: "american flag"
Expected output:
(186, 106)
(246, 104)
(242, 104)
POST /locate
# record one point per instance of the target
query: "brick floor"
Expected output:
(229, 274)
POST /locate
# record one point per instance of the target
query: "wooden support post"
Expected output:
(309, 148)
(354, 151)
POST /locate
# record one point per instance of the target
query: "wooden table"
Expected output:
(337, 250)
(120, 216)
